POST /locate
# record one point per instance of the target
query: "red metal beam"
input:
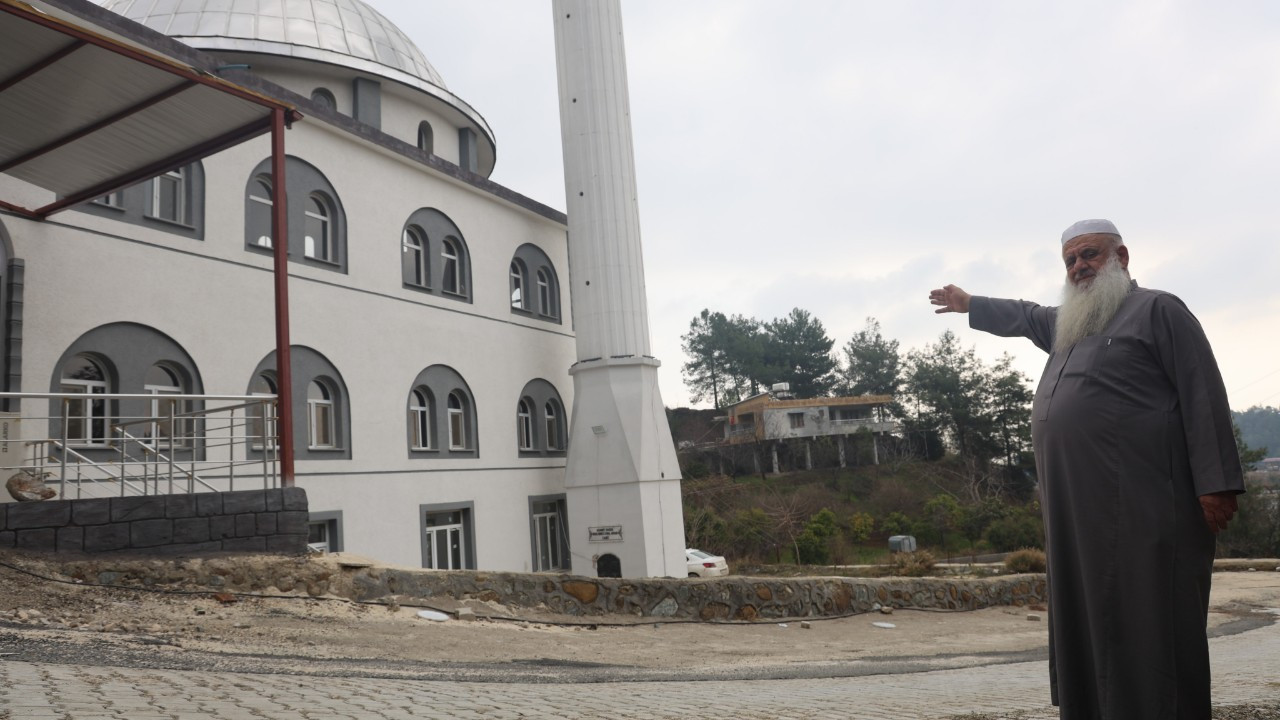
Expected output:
(184, 157)
(39, 65)
(280, 253)
(97, 125)
(154, 61)
(19, 210)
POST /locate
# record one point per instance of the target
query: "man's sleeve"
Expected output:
(1013, 318)
(1206, 416)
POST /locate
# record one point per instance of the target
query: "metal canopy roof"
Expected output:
(83, 114)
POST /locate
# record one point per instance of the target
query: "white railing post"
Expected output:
(66, 423)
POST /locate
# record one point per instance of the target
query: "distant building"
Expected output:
(778, 422)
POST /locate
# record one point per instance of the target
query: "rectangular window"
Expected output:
(168, 196)
(322, 536)
(797, 419)
(86, 419)
(321, 422)
(550, 539)
(445, 544)
(457, 430)
(163, 429)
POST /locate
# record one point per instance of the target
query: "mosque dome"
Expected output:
(342, 32)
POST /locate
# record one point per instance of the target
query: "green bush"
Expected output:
(1016, 531)
(1026, 560)
(813, 550)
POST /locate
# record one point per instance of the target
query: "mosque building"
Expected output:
(429, 308)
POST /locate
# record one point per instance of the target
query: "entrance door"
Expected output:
(445, 547)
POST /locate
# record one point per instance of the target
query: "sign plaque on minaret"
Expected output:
(622, 473)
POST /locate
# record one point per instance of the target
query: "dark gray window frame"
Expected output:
(429, 146)
(309, 365)
(562, 510)
(468, 528)
(334, 520)
(126, 351)
(302, 180)
(440, 380)
(435, 227)
(135, 205)
(539, 391)
(325, 97)
(531, 259)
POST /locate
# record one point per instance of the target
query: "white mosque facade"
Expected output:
(429, 307)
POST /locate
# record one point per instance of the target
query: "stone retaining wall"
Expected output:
(728, 598)
(247, 521)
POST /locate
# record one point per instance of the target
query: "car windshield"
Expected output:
(699, 554)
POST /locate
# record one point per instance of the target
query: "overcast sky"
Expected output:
(846, 157)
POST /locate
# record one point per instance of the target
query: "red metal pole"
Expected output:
(280, 251)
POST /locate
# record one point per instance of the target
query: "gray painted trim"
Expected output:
(562, 510)
(334, 517)
(136, 200)
(302, 179)
(435, 226)
(531, 259)
(346, 473)
(440, 380)
(309, 365)
(539, 392)
(293, 277)
(468, 528)
(126, 351)
(468, 158)
(366, 103)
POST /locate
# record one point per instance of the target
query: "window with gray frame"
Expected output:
(441, 415)
(322, 412)
(324, 532)
(534, 285)
(540, 420)
(434, 257)
(448, 537)
(172, 202)
(316, 220)
(426, 137)
(550, 535)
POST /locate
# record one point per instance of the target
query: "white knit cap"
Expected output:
(1089, 227)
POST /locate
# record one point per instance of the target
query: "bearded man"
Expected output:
(1138, 470)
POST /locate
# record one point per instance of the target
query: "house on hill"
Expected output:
(780, 422)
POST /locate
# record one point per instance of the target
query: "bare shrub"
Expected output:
(912, 564)
(1026, 560)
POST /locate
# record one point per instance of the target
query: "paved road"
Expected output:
(1246, 671)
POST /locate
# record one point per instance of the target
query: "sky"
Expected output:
(847, 156)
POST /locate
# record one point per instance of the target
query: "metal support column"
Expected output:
(280, 251)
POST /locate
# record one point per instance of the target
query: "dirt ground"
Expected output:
(43, 619)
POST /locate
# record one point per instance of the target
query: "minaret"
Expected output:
(622, 481)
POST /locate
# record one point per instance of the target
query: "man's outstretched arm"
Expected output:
(1006, 318)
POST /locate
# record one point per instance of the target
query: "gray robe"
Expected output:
(1129, 426)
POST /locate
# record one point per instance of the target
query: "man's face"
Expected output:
(1084, 256)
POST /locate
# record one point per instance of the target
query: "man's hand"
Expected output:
(951, 299)
(1218, 509)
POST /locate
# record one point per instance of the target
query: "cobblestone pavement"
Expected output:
(1246, 671)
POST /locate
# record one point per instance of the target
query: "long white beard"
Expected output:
(1086, 310)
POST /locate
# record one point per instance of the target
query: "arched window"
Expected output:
(262, 418)
(457, 421)
(321, 96)
(413, 257)
(318, 230)
(420, 410)
(86, 419)
(169, 196)
(315, 219)
(517, 284)
(320, 412)
(544, 293)
(259, 219)
(524, 425)
(555, 433)
(442, 421)
(426, 137)
(542, 300)
(453, 271)
(167, 428)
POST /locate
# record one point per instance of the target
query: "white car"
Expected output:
(705, 564)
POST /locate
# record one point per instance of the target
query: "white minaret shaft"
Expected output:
(622, 472)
